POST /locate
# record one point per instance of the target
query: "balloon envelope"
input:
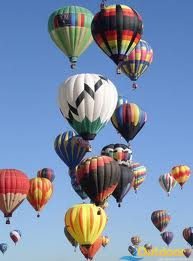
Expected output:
(167, 237)
(87, 101)
(160, 219)
(46, 173)
(117, 30)
(70, 29)
(14, 187)
(84, 223)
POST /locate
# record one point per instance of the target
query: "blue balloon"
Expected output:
(70, 148)
(75, 185)
(3, 247)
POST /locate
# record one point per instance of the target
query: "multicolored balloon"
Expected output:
(140, 172)
(70, 29)
(135, 240)
(119, 152)
(84, 223)
(3, 247)
(39, 194)
(98, 177)
(71, 150)
(15, 235)
(188, 235)
(137, 62)
(160, 219)
(187, 252)
(167, 182)
(46, 173)
(181, 174)
(128, 119)
(14, 187)
(72, 241)
(87, 101)
(167, 237)
(117, 29)
(124, 185)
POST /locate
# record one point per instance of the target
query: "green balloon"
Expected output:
(70, 29)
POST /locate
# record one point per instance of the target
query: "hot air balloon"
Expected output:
(132, 250)
(167, 237)
(105, 241)
(140, 172)
(117, 29)
(70, 29)
(181, 174)
(46, 173)
(84, 223)
(136, 240)
(187, 252)
(98, 176)
(71, 151)
(128, 119)
(14, 187)
(90, 252)
(119, 152)
(125, 184)
(3, 247)
(167, 182)
(87, 101)
(137, 62)
(73, 242)
(40, 193)
(148, 247)
(15, 235)
(160, 219)
(188, 235)
(75, 184)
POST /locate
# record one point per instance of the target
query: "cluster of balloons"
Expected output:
(178, 174)
(15, 236)
(73, 28)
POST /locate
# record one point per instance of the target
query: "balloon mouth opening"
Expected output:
(88, 136)
(86, 246)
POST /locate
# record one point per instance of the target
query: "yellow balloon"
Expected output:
(85, 223)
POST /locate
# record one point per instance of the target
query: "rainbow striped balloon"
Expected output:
(84, 223)
(140, 173)
(160, 219)
(128, 119)
(138, 61)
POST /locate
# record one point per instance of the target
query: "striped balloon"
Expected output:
(70, 29)
(117, 30)
(40, 192)
(119, 152)
(98, 177)
(167, 182)
(46, 173)
(160, 219)
(181, 174)
(84, 223)
(136, 240)
(140, 173)
(167, 237)
(72, 241)
(128, 119)
(137, 61)
(14, 187)
(71, 150)
(188, 235)
(105, 241)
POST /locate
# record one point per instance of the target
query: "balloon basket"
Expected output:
(7, 221)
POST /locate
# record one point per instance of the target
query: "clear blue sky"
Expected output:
(31, 69)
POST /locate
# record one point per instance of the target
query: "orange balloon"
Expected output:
(40, 192)
(181, 174)
(91, 251)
